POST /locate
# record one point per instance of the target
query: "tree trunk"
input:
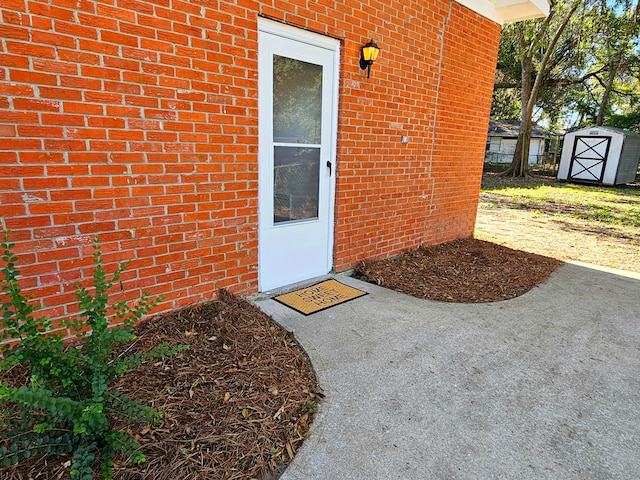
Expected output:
(520, 164)
(607, 92)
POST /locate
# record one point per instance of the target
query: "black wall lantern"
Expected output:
(369, 54)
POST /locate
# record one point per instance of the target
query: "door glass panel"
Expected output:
(295, 183)
(297, 101)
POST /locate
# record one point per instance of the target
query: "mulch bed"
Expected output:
(236, 405)
(239, 402)
(467, 271)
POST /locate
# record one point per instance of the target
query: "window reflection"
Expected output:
(297, 101)
(295, 184)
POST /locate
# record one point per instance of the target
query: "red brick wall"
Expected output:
(137, 120)
(433, 83)
(470, 50)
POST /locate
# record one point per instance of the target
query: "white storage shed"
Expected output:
(600, 155)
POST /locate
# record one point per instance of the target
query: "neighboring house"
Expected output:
(238, 144)
(502, 138)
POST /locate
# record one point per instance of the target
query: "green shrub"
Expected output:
(67, 405)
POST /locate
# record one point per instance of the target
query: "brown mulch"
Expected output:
(239, 402)
(236, 405)
(467, 270)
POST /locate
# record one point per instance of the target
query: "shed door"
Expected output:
(296, 92)
(589, 158)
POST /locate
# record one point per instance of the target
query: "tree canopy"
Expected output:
(578, 67)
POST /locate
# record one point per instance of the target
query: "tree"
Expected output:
(618, 32)
(535, 42)
(591, 76)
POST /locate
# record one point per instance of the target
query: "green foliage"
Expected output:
(592, 77)
(629, 121)
(67, 405)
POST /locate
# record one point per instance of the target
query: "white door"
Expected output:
(297, 92)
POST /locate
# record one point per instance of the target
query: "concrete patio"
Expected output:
(546, 385)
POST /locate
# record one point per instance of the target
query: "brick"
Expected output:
(121, 64)
(19, 48)
(78, 56)
(32, 221)
(86, 108)
(123, 111)
(100, 72)
(21, 171)
(10, 31)
(150, 91)
(50, 11)
(50, 38)
(7, 131)
(58, 93)
(140, 54)
(106, 122)
(39, 131)
(44, 183)
(98, 47)
(13, 210)
(8, 157)
(97, 145)
(85, 133)
(16, 5)
(50, 208)
(62, 119)
(156, 46)
(76, 30)
(70, 194)
(17, 90)
(65, 145)
(19, 144)
(32, 77)
(126, 135)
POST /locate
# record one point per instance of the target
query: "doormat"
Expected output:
(318, 297)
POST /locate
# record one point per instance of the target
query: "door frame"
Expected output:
(333, 45)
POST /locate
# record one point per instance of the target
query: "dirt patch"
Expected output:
(468, 270)
(236, 405)
(495, 180)
(545, 229)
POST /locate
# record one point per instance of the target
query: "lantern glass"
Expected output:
(370, 51)
(375, 51)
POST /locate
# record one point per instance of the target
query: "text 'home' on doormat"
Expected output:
(320, 296)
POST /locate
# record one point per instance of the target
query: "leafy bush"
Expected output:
(67, 405)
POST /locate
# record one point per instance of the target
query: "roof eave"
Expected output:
(505, 11)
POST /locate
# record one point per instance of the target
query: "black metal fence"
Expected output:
(545, 164)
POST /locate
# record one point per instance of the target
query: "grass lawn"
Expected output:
(592, 224)
(618, 206)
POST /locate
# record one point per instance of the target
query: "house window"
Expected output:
(494, 144)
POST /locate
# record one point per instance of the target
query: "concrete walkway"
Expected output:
(545, 386)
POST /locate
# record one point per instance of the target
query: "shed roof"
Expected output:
(511, 128)
(621, 131)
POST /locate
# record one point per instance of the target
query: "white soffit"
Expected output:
(504, 11)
